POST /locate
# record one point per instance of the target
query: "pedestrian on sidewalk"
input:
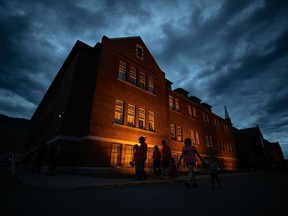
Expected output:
(166, 155)
(173, 171)
(189, 153)
(141, 157)
(214, 172)
(156, 160)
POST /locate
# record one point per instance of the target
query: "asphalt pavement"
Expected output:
(245, 193)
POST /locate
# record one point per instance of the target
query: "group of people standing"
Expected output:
(164, 165)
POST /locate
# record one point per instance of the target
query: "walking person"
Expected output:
(173, 171)
(141, 158)
(166, 155)
(189, 153)
(214, 172)
(156, 160)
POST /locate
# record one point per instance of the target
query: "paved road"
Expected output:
(254, 194)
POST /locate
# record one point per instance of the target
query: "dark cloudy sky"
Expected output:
(226, 52)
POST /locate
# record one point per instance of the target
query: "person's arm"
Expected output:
(198, 155)
(180, 160)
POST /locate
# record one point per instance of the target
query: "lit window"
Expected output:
(122, 70)
(115, 155)
(172, 131)
(142, 118)
(193, 137)
(177, 105)
(194, 113)
(171, 103)
(118, 118)
(139, 52)
(211, 142)
(229, 146)
(151, 121)
(190, 111)
(142, 81)
(151, 85)
(207, 141)
(206, 117)
(128, 155)
(132, 76)
(131, 115)
(197, 138)
(179, 134)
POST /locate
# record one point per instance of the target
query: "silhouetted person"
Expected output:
(156, 160)
(39, 158)
(214, 172)
(172, 171)
(142, 156)
(166, 155)
(189, 154)
(54, 156)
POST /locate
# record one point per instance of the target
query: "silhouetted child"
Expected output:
(156, 160)
(214, 171)
(172, 170)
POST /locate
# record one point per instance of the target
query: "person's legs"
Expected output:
(165, 166)
(140, 169)
(218, 180)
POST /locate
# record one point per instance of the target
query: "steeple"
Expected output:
(227, 118)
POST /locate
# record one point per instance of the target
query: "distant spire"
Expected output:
(227, 117)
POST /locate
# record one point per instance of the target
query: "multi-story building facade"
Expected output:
(105, 97)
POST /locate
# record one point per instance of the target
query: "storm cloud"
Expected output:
(227, 53)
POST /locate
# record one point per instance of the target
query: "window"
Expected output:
(141, 118)
(197, 138)
(190, 111)
(128, 155)
(142, 81)
(193, 137)
(194, 113)
(209, 141)
(221, 144)
(177, 105)
(132, 75)
(116, 155)
(216, 122)
(122, 70)
(151, 85)
(172, 131)
(151, 121)
(171, 102)
(229, 146)
(131, 115)
(206, 117)
(118, 118)
(139, 52)
(179, 134)
(225, 127)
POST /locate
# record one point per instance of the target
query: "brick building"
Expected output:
(255, 152)
(104, 97)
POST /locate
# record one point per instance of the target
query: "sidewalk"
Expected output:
(69, 181)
